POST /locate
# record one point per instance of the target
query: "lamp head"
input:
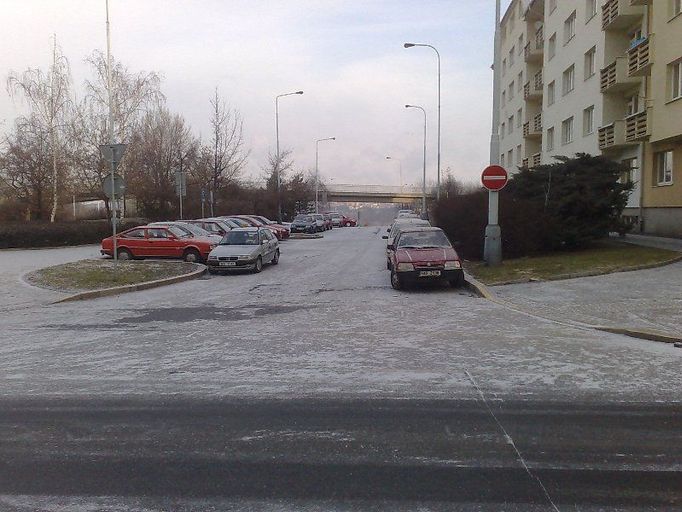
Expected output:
(408, 106)
(298, 92)
(409, 45)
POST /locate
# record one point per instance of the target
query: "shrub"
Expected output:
(58, 234)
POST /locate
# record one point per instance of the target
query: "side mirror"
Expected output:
(388, 230)
(385, 237)
(391, 247)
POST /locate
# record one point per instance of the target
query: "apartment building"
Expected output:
(599, 76)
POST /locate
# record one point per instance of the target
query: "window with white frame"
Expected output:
(519, 117)
(632, 105)
(504, 98)
(549, 144)
(511, 57)
(503, 127)
(675, 79)
(569, 28)
(551, 93)
(511, 90)
(567, 131)
(520, 81)
(675, 7)
(520, 44)
(504, 67)
(510, 157)
(502, 159)
(588, 120)
(590, 62)
(551, 47)
(552, 6)
(630, 174)
(568, 83)
(518, 155)
(664, 167)
(590, 9)
(510, 124)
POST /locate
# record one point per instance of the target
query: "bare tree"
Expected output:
(48, 98)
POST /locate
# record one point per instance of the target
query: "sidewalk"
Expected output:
(659, 242)
(643, 300)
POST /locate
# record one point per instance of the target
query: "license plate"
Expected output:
(429, 273)
(228, 263)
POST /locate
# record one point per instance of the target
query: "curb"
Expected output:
(107, 292)
(305, 236)
(7, 249)
(482, 291)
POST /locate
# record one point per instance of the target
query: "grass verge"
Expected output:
(87, 275)
(602, 258)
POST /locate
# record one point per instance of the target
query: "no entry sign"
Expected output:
(494, 177)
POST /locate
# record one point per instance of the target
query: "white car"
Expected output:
(319, 221)
(244, 249)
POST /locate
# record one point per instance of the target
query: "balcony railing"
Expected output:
(538, 83)
(615, 76)
(533, 129)
(620, 14)
(533, 50)
(639, 58)
(536, 159)
(637, 126)
(524, 162)
(532, 90)
(537, 123)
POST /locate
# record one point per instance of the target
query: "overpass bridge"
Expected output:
(330, 193)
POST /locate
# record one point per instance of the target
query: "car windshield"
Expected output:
(303, 218)
(423, 240)
(240, 238)
(241, 223)
(180, 232)
(195, 230)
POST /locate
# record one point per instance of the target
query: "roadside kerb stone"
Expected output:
(305, 236)
(483, 291)
(116, 290)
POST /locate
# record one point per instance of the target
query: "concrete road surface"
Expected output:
(315, 386)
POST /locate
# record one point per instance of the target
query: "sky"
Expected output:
(346, 55)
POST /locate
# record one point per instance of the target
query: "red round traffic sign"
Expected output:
(494, 177)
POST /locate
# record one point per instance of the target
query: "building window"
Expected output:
(550, 139)
(567, 131)
(590, 9)
(504, 67)
(675, 7)
(675, 74)
(519, 118)
(630, 175)
(518, 155)
(568, 80)
(588, 120)
(550, 93)
(632, 106)
(511, 90)
(590, 62)
(569, 28)
(552, 6)
(510, 124)
(511, 57)
(502, 159)
(520, 81)
(510, 157)
(551, 47)
(504, 98)
(664, 167)
(521, 44)
(503, 127)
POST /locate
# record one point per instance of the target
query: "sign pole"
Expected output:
(494, 178)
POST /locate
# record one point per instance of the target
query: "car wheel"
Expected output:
(124, 255)
(192, 256)
(275, 258)
(259, 265)
(458, 281)
(388, 264)
(396, 282)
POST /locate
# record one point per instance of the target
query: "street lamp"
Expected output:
(410, 45)
(400, 170)
(279, 194)
(424, 171)
(317, 171)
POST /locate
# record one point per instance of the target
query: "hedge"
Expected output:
(58, 234)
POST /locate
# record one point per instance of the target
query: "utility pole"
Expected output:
(110, 129)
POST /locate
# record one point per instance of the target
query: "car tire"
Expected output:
(458, 281)
(258, 267)
(124, 255)
(192, 256)
(388, 264)
(275, 258)
(396, 281)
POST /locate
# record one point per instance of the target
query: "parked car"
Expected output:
(158, 242)
(283, 227)
(348, 222)
(337, 219)
(240, 223)
(394, 231)
(304, 224)
(244, 249)
(328, 224)
(214, 226)
(405, 211)
(192, 229)
(319, 221)
(279, 231)
(424, 254)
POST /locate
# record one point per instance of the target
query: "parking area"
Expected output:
(324, 322)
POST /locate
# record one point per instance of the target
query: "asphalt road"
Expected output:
(315, 386)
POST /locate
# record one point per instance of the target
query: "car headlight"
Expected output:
(213, 246)
(405, 267)
(452, 265)
(212, 257)
(244, 257)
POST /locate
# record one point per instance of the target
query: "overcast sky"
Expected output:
(346, 55)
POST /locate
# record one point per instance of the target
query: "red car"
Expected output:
(255, 222)
(283, 229)
(158, 242)
(424, 254)
(348, 222)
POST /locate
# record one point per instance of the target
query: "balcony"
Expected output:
(640, 58)
(533, 51)
(533, 130)
(536, 159)
(612, 136)
(532, 90)
(525, 162)
(620, 14)
(616, 78)
(637, 126)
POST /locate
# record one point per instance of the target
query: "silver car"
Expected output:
(244, 249)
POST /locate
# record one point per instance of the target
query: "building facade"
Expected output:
(598, 77)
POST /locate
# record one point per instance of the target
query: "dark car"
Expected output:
(424, 254)
(304, 224)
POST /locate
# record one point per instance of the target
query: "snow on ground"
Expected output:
(324, 322)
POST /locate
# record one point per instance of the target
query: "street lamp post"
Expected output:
(410, 45)
(424, 170)
(277, 162)
(317, 172)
